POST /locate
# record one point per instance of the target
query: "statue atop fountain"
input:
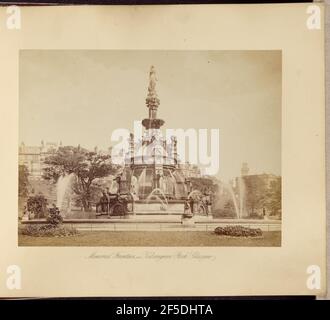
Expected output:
(152, 102)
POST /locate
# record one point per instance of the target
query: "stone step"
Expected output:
(158, 212)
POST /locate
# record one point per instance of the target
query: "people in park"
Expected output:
(104, 202)
(187, 208)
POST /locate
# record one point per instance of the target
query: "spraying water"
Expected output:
(194, 192)
(180, 186)
(241, 192)
(155, 194)
(237, 208)
(63, 189)
(141, 182)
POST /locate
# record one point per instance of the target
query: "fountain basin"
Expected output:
(188, 220)
(142, 207)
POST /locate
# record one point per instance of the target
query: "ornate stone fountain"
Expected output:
(151, 174)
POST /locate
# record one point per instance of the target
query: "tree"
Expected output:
(229, 209)
(86, 165)
(255, 192)
(274, 197)
(203, 184)
(23, 182)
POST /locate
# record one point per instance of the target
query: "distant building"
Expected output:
(249, 189)
(245, 169)
(33, 157)
(265, 178)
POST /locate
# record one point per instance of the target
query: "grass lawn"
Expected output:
(151, 239)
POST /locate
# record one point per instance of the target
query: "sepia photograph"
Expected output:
(163, 151)
(149, 148)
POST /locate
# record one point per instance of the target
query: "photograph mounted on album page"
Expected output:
(162, 150)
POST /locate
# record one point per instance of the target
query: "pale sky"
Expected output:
(81, 96)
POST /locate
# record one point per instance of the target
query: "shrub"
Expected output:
(47, 230)
(37, 205)
(54, 217)
(238, 231)
(53, 228)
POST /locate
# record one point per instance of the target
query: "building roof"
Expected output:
(29, 150)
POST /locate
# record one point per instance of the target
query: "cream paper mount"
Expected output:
(250, 76)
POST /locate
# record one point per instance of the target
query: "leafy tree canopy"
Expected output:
(86, 165)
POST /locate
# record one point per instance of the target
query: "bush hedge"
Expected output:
(238, 231)
(47, 230)
(37, 205)
(54, 217)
